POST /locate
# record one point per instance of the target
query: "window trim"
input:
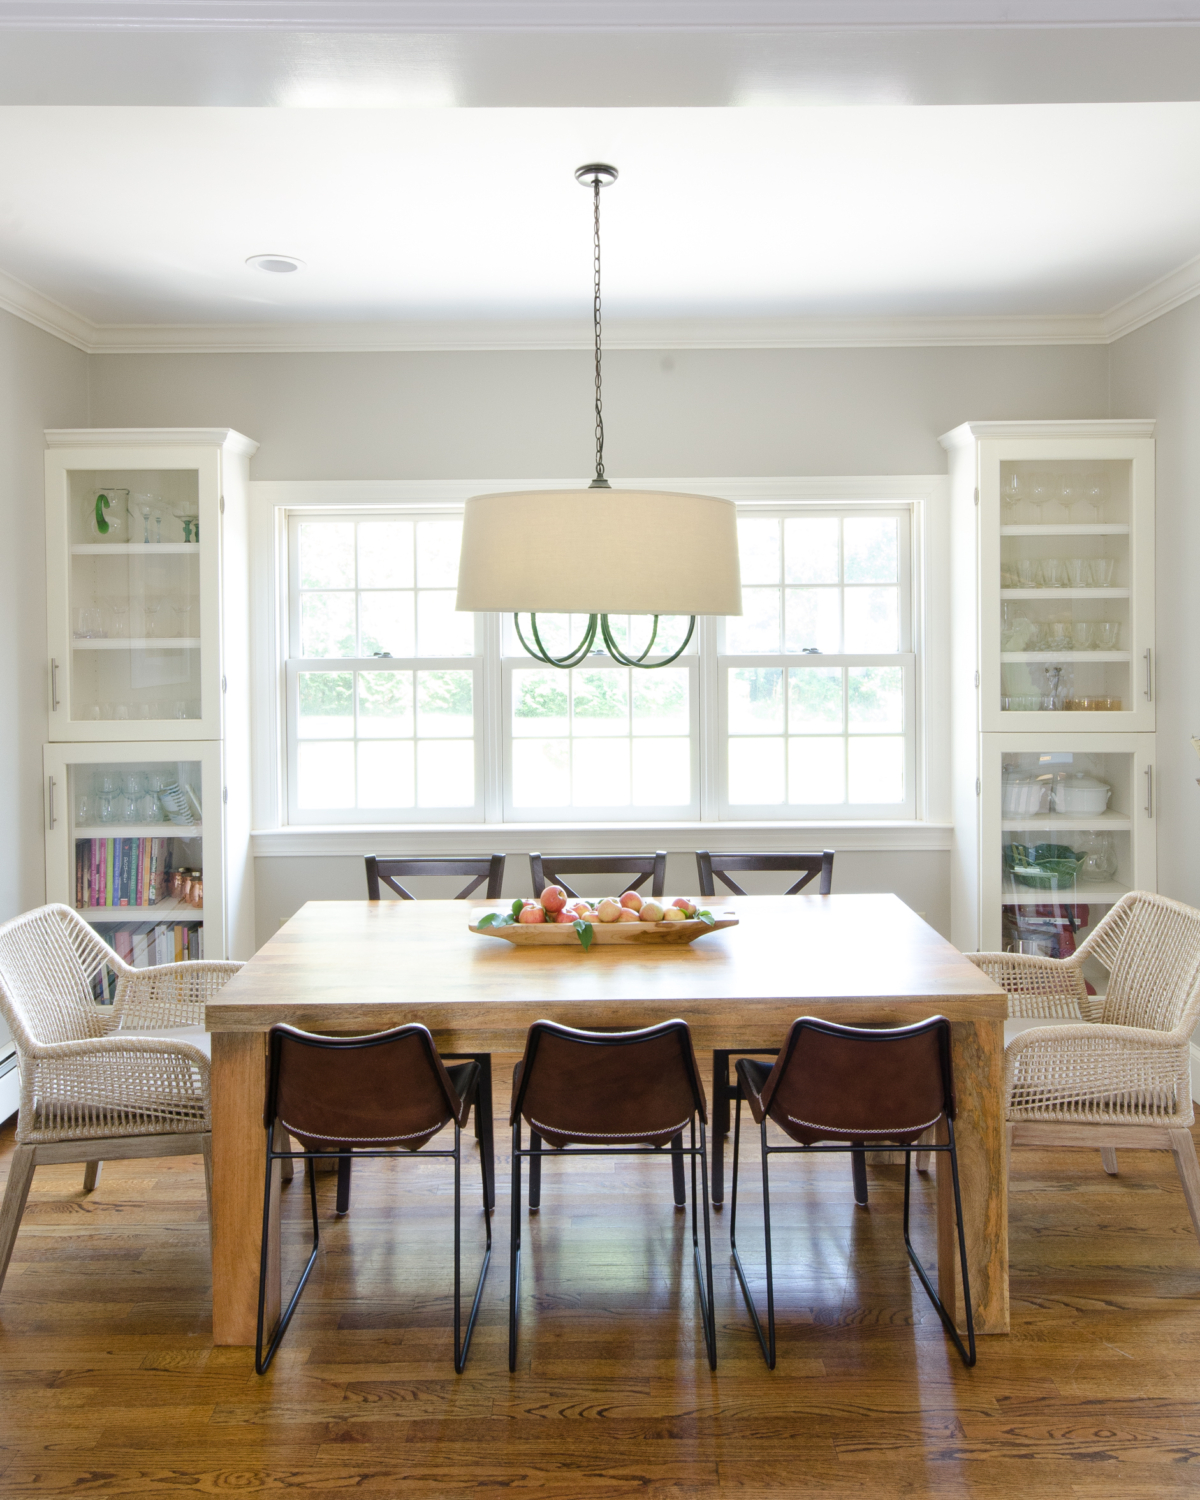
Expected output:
(271, 501)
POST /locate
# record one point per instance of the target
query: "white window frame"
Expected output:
(926, 497)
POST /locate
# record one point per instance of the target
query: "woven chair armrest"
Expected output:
(1133, 1038)
(115, 1042)
(1038, 988)
(170, 994)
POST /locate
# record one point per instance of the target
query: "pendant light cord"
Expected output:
(599, 483)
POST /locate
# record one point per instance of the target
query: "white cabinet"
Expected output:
(1052, 678)
(147, 773)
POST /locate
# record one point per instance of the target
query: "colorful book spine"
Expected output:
(109, 851)
(152, 881)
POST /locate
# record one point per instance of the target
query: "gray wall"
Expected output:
(1155, 372)
(43, 383)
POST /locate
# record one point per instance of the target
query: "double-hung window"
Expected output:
(400, 710)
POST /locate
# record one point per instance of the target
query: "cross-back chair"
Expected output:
(550, 869)
(383, 871)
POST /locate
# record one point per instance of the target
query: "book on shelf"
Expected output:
(121, 871)
(146, 945)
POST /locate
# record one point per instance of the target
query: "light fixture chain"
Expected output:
(596, 325)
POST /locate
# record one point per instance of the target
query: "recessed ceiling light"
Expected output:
(279, 264)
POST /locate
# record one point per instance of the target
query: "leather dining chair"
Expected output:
(725, 1090)
(550, 869)
(386, 1095)
(582, 1092)
(389, 872)
(846, 1088)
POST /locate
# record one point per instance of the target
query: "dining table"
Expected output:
(354, 967)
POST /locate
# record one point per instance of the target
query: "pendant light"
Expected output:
(599, 551)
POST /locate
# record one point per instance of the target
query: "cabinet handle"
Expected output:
(53, 686)
(1149, 678)
(53, 819)
(1149, 791)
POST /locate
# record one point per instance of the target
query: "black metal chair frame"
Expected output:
(462, 1343)
(549, 870)
(491, 870)
(724, 1093)
(386, 869)
(767, 1344)
(704, 1273)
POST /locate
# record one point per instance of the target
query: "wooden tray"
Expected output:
(541, 935)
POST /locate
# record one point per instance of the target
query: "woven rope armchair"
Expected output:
(1116, 1071)
(94, 1086)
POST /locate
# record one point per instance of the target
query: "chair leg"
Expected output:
(206, 1153)
(765, 1342)
(485, 1128)
(1183, 1149)
(287, 1167)
(720, 1123)
(462, 1349)
(858, 1170)
(535, 1170)
(343, 1183)
(923, 1159)
(704, 1273)
(262, 1361)
(677, 1178)
(1108, 1159)
(91, 1175)
(966, 1354)
(20, 1176)
(514, 1245)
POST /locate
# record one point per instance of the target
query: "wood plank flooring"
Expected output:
(110, 1384)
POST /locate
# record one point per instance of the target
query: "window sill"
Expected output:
(360, 840)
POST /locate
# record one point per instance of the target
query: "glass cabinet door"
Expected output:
(126, 842)
(1067, 831)
(132, 598)
(1067, 586)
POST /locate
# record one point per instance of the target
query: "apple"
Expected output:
(553, 898)
(651, 912)
(532, 913)
(627, 915)
(610, 910)
(688, 908)
(632, 901)
(674, 914)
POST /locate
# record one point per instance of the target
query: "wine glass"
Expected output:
(1012, 492)
(1041, 492)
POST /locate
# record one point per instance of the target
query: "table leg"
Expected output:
(978, 1055)
(239, 1163)
(720, 1123)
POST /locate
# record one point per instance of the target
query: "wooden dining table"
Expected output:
(360, 966)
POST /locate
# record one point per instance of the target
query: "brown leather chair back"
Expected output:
(608, 1088)
(385, 1090)
(839, 1083)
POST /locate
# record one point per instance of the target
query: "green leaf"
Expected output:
(508, 920)
(584, 929)
(489, 920)
(516, 908)
(707, 917)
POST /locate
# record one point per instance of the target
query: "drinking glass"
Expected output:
(148, 809)
(142, 508)
(153, 611)
(1012, 492)
(1107, 634)
(134, 783)
(1058, 637)
(1102, 572)
(1095, 491)
(180, 710)
(1081, 635)
(120, 710)
(143, 711)
(1079, 572)
(106, 783)
(1053, 573)
(126, 807)
(107, 806)
(1070, 491)
(118, 618)
(1026, 573)
(89, 622)
(92, 711)
(181, 616)
(84, 810)
(1041, 492)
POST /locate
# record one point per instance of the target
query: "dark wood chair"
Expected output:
(381, 1095)
(725, 1092)
(390, 872)
(549, 870)
(850, 1088)
(581, 1091)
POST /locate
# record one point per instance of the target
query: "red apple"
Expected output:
(610, 910)
(632, 901)
(553, 898)
(688, 908)
(627, 915)
(531, 912)
(651, 912)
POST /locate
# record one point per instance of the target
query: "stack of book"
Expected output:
(121, 872)
(145, 945)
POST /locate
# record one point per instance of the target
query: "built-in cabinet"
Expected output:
(1052, 698)
(147, 765)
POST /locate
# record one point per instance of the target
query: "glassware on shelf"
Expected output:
(1099, 856)
(1094, 491)
(106, 515)
(1053, 698)
(85, 809)
(1016, 631)
(1041, 493)
(1081, 635)
(106, 806)
(1079, 572)
(1012, 492)
(1107, 634)
(1058, 637)
(142, 508)
(187, 514)
(148, 809)
(1053, 573)
(133, 783)
(117, 611)
(153, 611)
(88, 622)
(181, 617)
(1102, 572)
(1026, 572)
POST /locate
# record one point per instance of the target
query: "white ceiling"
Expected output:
(439, 218)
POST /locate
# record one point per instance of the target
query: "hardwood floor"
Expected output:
(110, 1385)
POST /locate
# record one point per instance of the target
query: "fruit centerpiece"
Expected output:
(555, 918)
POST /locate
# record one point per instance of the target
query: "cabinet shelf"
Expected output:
(1065, 823)
(1085, 893)
(1066, 528)
(1045, 658)
(133, 549)
(172, 909)
(136, 643)
(1040, 594)
(140, 831)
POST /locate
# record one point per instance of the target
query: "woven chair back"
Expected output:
(1151, 948)
(49, 959)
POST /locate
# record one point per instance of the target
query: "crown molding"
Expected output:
(442, 16)
(478, 335)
